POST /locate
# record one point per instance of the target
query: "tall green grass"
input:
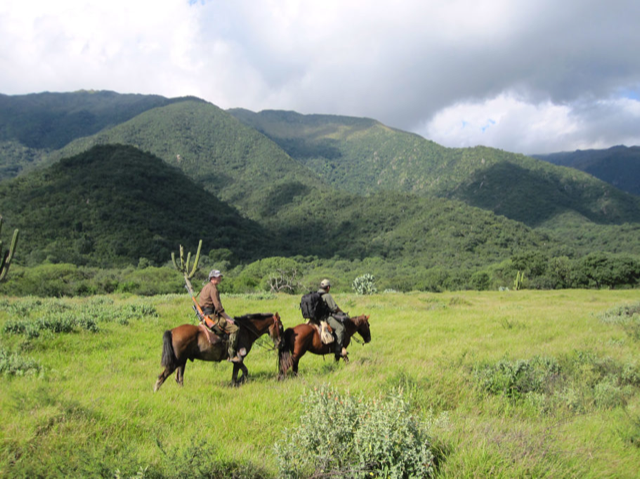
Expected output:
(534, 384)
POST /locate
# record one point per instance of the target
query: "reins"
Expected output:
(251, 328)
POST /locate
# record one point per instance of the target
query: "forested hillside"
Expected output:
(234, 162)
(314, 195)
(361, 156)
(619, 165)
(113, 205)
(31, 125)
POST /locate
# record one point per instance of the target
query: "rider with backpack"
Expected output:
(334, 316)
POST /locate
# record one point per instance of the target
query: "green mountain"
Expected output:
(236, 163)
(403, 229)
(115, 204)
(31, 125)
(619, 165)
(362, 156)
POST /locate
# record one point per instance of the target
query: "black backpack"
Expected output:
(313, 307)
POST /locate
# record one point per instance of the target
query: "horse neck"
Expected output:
(352, 325)
(261, 325)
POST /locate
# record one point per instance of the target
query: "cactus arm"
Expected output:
(8, 255)
(195, 261)
(184, 266)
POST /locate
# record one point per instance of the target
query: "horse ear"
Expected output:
(367, 317)
(277, 315)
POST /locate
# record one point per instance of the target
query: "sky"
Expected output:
(534, 76)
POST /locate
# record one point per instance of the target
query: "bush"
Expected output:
(578, 382)
(35, 316)
(12, 364)
(514, 379)
(365, 284)
(343, 436)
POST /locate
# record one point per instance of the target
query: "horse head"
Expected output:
(362, 325)
(276, 330)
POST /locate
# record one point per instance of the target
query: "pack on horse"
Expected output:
(189, 342)
(306, 337)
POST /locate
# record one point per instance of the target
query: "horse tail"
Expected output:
(285, 359)
(169, 359)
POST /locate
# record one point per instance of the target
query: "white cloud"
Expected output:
(545, 72)
(514, 124)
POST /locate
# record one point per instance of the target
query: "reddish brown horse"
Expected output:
(305, 337)
(189, 342)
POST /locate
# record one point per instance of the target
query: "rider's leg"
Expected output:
(338, 329)
(232, 329)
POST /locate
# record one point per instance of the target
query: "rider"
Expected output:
(211, 306)
(335, 318)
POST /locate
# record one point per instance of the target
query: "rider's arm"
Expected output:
(330, 302)
(217, 304)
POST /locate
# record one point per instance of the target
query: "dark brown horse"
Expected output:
(305, 337)
(189, 342)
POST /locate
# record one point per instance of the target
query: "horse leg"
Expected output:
(245, 373)
(234, 375)
(180, 374)
(235, 381)
(163, 376)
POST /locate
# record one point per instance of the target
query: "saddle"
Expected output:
(212, 336)
(325, 332)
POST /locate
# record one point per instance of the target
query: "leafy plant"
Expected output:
(365, 284)
(12, 364)
(347, 436)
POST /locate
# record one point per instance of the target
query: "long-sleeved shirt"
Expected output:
(210, 298)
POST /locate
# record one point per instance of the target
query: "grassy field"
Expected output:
(81, 403)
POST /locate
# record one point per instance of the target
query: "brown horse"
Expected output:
(305, 337)
(189, 342)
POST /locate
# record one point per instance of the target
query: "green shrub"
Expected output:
(32, 316)
(365, 284)
(12, 364)
(578, 382)
(344, 436)
(514, 379)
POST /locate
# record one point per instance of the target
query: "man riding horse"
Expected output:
(335, 318)
(212, 306)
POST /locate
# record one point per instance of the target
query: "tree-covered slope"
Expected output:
(236, 163)
(31, 125)
(115, 204)
(361, 156)
(51, 120)
(619, 165)
(404, 229)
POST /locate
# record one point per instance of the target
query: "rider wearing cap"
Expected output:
(335, 318)
(212, 307)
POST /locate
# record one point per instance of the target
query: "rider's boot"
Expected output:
(338, 350)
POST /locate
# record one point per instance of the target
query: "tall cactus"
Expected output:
(517, 283)
(7, 256)
(184, 265)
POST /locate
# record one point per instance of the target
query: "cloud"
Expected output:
(546, 73)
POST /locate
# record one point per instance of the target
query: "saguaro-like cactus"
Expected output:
(7, 256)
(517, 283)
(184, 268)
